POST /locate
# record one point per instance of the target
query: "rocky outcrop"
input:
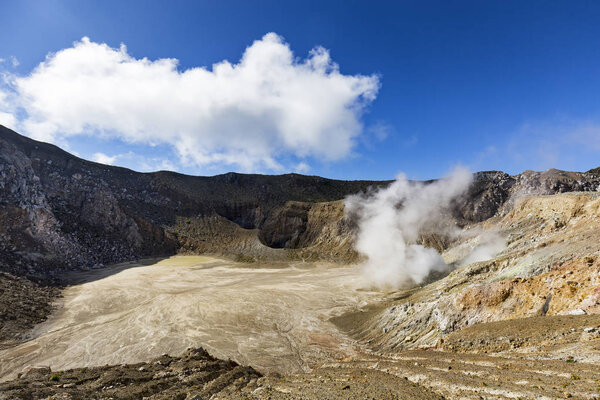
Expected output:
(486, 195)
(56, 216)
(23, 303)
(193, 375)
(285, 226)
(298, 225)
(495, 192)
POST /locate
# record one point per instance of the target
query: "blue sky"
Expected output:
(488, 85)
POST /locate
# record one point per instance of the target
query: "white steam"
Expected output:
(390, 221)
(488, 245)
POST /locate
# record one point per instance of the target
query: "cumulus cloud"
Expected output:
(249, 114)
(390, 222)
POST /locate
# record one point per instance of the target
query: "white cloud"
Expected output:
(558, 143)
(14, 62)
(380, 130)
(104, 158)
(135, 161)
(8, 120)
(561, 142)
(250, 114)
(6, 111)
(302, 168)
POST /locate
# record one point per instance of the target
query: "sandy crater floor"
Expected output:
(274, 318)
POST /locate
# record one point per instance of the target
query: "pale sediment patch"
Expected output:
(273, 318)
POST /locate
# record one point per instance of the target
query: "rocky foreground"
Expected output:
(194, 375)
(416, 374)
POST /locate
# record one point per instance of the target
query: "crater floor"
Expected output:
(272, 317)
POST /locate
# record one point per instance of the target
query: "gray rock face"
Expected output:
(56, 217)
(488, 192)
(285, 226)
(60, 212)
(495, 192)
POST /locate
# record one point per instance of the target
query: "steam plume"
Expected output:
(390, 221)
(489, 244)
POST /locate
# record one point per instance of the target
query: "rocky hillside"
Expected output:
(59, 212)
(550, 266)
